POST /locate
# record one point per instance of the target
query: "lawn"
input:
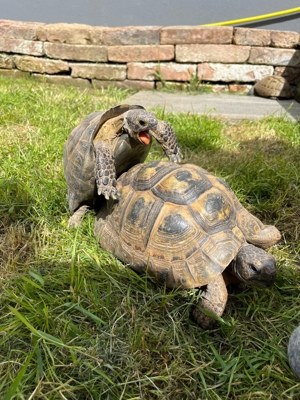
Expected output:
(75, 323)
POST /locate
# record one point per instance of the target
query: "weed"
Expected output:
(194, 86)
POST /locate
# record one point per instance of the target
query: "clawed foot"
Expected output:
(176, 157)
(165, 135)
(213, 301)
(105, 172)
(203, 320)
(75, 219)
(108, 192)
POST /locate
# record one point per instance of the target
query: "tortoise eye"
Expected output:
(253, 268)
(142, 122)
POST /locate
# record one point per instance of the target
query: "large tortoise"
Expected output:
(104, 145)
(273, 86)
(186, 228)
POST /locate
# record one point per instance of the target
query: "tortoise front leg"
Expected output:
(105, 171)
(166, 137)
(214, 300)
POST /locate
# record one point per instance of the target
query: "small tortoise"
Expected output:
(294, 351)
(103, 146)
(273, 86)
(186, 228)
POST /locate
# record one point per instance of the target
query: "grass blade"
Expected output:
(13, 388)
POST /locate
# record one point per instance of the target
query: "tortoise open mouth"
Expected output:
(144, 137)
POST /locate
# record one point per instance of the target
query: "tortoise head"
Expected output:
(254, 266)
(138, 124)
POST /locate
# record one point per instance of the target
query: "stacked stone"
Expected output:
(146, 57)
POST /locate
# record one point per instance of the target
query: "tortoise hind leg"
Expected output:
(268, 236)
(75, 219)
(214, 300)
(165, 136)
(255, 231)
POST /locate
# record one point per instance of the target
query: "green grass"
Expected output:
(77, 324)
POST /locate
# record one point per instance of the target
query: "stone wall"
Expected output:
(142, 57)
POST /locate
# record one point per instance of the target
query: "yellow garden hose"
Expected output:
(256, 18)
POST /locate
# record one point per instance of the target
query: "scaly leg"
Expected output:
(255, 231)
(105, 171)
(75, 219)
(268, 236)
(166, 137)
(214, 300)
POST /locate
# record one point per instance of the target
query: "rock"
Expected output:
(168, 71)
(218, 72)
(196, 34)
(214, 53)
(294, 351)
(274, 56)
(76, 52)
(131, 35)
(140, 53)
(251, 37)
(103, 71)
(69, 33)
(40, 65)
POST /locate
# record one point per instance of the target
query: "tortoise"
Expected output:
(104, 145)
(273, 86)
(186, 228)
(294, 351)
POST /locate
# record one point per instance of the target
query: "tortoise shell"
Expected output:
(273, 86)
(79, 155)
(178, 223)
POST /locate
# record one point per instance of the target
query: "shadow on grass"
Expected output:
(263, 172)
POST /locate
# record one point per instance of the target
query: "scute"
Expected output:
(173, 224)
(174, 233)
(182, 187)
(134, 215)
(222, 247)
(82, 133)
(135, 225)
(148, 175)
(214, 211)
(214, 204)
